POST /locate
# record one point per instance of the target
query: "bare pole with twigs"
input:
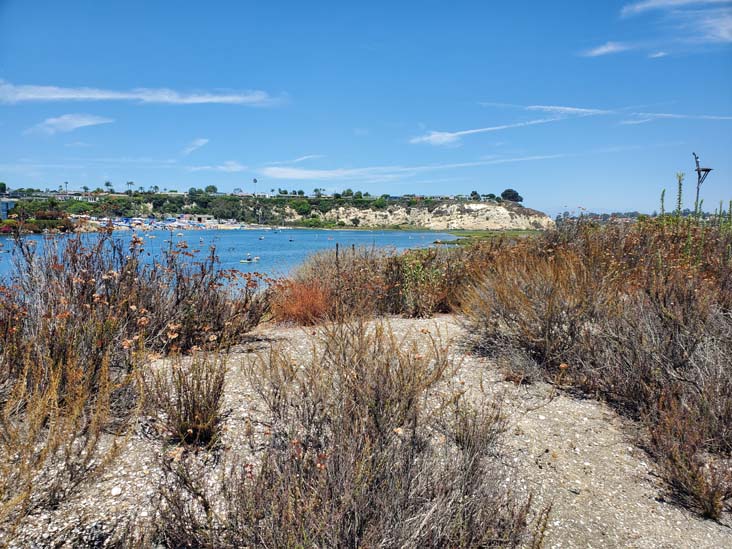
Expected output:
(701, 175)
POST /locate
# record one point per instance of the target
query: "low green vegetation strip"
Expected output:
(466, 237)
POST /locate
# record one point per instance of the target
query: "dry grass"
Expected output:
(344, 283)
(301, 302)
(639, 316)
(187, 399)
(349, 451)
(75, 327)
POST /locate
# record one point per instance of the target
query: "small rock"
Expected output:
(116, 491)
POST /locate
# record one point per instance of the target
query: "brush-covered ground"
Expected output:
(570, 389)
(578, 458)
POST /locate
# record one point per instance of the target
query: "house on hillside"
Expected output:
(5, 207)
(198, 218)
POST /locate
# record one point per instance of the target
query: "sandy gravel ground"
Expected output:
(576, 455)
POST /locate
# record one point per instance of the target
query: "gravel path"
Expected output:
(576, 455)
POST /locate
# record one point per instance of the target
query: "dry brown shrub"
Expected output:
(538, 302)
(369, 281)
(678, 440)
(75, 323)
(351, 451)
(626, 313)
(301, 302)
(59, 427)
(174, 304)
(187, 398)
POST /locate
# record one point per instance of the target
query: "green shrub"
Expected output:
(302, 207)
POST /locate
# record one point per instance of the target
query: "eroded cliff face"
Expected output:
(469, 216)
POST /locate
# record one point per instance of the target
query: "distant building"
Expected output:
(5, 207)
(198, 218)
(84, 197)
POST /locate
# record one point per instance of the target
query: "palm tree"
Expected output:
(108, 184)
(130, 184)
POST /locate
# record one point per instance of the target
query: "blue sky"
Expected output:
(574, 104)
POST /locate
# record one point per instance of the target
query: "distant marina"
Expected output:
(181, 223)
(275, 251)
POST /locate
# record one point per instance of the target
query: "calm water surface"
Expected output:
(278, 251)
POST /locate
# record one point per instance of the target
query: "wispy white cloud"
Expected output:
(386, 173)
(635, 121)
(230, 166)
(11, 93)
(693, 21)
(306, 157)
(649, 5)
(710, 26)
(297, 160)
(567, 111)
(450, 138)
(280, 172)
(378, 174)
(68, 123)
(560, 112)
(194, 145)
(643, 117)
(657, 54)
(608, 48)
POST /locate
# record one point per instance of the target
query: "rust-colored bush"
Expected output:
(301, 302)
